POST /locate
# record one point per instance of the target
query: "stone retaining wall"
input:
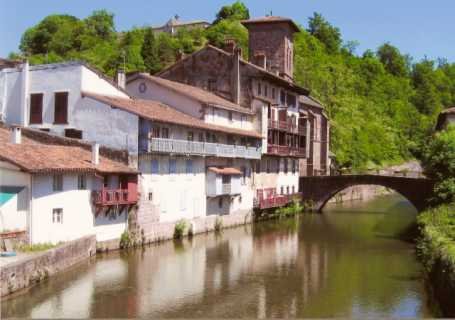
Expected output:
(30, 270)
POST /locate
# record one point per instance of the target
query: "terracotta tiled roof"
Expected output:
(270, 19)
(160, 112)
(35, 157)
(450, 110)
(225, 171)
(193, 92)
(8, 63)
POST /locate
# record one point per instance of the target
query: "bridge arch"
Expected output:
(320, 189)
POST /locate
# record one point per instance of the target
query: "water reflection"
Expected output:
(348, 262)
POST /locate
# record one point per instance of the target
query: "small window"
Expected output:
(244, 174)
(259, 89)
(268, 166)
(285, 165)
(36, 108)
(61, 108)
(150, 196)
(287, 190)
(220, 203)
(230, 115)
(73, 133)
(165, 133)
(282, 190)
(277, 165)
(273, 93)
(212, 85)
(201, 137)
(57, 183)
(293, 189)
(172, 166)
(294, 166)
(82, 182)
(57, 215)
(266, 91)
(189, 166)
(225, 179)
(190, 136)
(283, 97)
(155, 166)
(155, 132)
(208, 137)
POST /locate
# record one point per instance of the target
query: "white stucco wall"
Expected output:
(178, 195)
(92, 82)
(14, 213)
(78, 212)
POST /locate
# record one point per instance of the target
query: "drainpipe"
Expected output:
(24, 93)
(235, 82)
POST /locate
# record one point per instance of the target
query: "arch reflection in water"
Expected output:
(343, 263)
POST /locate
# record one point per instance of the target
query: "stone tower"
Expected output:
(271, 44)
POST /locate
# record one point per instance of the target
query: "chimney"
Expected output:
(95, 153)
(121, 78)
(235, 78)
(260, 59)
(16, 135)
(24, 93)
(229, 45)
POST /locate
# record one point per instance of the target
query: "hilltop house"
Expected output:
(294, 128)
(445, 118)
(173, 25)
(54, 189)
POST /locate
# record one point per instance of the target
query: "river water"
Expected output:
(350, 261)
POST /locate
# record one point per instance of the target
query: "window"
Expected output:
(285, 165)
(273, 93)
(150, 196)
(189, 166)
(291, 100)
(230, 115)
(57, 215)
(294, 166)
(61, 108)
(155, 166)
(277, 163)
(165, 133)
(282, 190)
(287, 190)
(283, 97)
(266, 90)
(220, 203)
(225, 179)
(207, 137)
(190, 136)
(172, 166)
(244, 174)
(81, 182)
(36, 108)
(201, 137)
(57, 183)
(293, 189)
(268, 165)
(259, 89)
(212, 84)
(155, 132)
(73, 133)
(258, 166)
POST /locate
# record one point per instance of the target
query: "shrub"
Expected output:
(125, 240)
(35, 247)
(179, 229)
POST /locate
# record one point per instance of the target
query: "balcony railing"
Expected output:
(286, 150)
(203, 148)
(267, 198)
(287, 126)
(108, 197)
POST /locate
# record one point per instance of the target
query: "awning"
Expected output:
(8, 192)
(225, 171)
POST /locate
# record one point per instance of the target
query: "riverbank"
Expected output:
(436, 249)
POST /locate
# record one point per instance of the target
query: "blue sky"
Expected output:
(420, 28)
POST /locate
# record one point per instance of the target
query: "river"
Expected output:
(350, 261)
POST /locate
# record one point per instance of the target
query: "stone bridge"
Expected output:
(320, 189)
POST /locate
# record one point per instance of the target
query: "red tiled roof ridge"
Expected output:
(149, 110)
(182, 88)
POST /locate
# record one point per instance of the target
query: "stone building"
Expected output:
(294, 128)
(173, 25)
(445, 118)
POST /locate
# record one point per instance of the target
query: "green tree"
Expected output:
(149, 52)
(329, 35)
(393, 61)
(439, 163)
(101, 24)
(235, 11)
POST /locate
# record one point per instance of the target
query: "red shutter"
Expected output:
(61, 108)
(36, 108)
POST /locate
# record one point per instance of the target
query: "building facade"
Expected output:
(294, 128)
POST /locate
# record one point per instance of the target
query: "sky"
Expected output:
(419, 28)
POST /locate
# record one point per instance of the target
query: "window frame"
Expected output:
(57, 183)
(31, 117)
(57, 215)
(81, 182)
(61, 117)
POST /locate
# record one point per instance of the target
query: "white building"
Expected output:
(59, 190)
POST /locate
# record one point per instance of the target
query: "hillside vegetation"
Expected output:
(382, 104)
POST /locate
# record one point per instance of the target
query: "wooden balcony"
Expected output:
(109, 197)
(286, 151)
(287, 126)
(268, 198)
(185, 147)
